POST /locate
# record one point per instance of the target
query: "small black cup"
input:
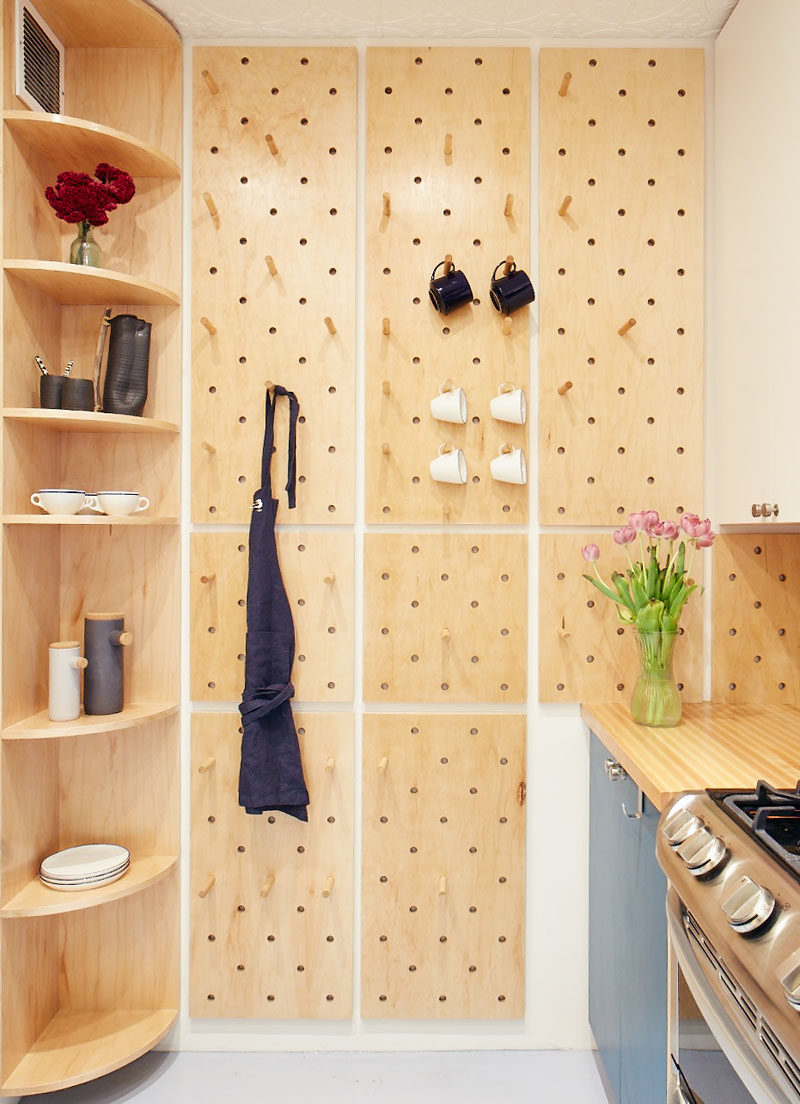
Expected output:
(77, 394)
(449, 291)
(511, 292)
(50, 392)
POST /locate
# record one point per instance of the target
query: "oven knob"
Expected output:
(702, 852)
(750, 907)
(679, 826)
(791, 988)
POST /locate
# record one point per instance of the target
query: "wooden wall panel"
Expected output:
(756, 618)
(585, 653)
(272, 937)
(295, 206)
(442, 203)
(445, 617)
(443, 902)
(317, 567)
(626, 145)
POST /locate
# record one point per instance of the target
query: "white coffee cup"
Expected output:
(450, 466)
(121, 503)
(450, 405)
(62, 501)
(509, 465)
(509, 404)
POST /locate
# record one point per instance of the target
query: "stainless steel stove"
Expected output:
(732, 861)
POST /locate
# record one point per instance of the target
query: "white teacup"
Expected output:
(509, 405)
(450, 466)
(63, 501)
(509, 466)
(450, 405)
(121, 503)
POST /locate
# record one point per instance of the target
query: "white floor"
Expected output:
(465, 1077)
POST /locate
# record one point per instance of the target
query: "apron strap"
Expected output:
(264, 700)
(269, 438)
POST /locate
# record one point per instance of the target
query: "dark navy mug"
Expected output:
(449, 291)
(512, 291)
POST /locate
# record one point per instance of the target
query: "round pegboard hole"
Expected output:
(474, 604)
(781, 632)
(621, 151)
(680, 391)
(621, 212)
(273, 210)
(757, 550)
(415, 659)
(590, 241)
(681, 153)
(501, 939)
(244, 120)
(562, 152)
(214, 149)
(473, 908)
(412, 908)
(445, 686)
(622, 92)
(384, 686)
(414, 604)
(384, 631)
(506, 151)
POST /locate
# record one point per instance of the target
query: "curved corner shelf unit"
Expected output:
(79, 1046)
(40, 727)
(37, 899)
(82, 144)
(79, 286)
(87, 421)
(85, 519)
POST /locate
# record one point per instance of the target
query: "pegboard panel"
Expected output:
(443, 898)
(756, 618)
(272, 934)
(445, 617)
(273, 240)
(621, 260)
(585, 653)
(317, 568)
(422, 203)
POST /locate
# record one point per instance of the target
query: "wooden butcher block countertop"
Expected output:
(713, 746)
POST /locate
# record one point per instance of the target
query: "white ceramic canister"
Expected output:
(66, 664)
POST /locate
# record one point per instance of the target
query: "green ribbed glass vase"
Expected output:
(656, 700)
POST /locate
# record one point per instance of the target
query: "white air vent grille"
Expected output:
(40, 62)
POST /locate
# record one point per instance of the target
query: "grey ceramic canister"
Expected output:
(104, 643)
(125, 385)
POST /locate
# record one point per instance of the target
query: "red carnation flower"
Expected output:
(78, 197)
(118, 183)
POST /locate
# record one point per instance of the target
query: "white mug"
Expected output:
(121, 503)
(56, 500)
(450, 405)
(509, 465)
(509, 405)
(450, 466)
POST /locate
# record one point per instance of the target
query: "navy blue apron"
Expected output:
(271, 773)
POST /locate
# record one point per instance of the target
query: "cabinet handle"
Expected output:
(615, 771)
(639, 806)
(765, 509)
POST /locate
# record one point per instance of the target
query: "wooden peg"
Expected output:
(212, 207)
(562, 630)
(445, 634)
(209, 763)
(448, 385)
(565, 202)
(386, 328)
(330, 577)
(208, 578)
(273, 149)
(509, 264)
(81, 663)
(387, 204)
(210, 449)
(328, 886)
(125, 638)
(387, 387)
(562, 91)
(448, 145)
(212, 329)
(448, 263)
(565, 386)
(267, 886)
(506, 448)
(383, 763)
(385, 449)
(330, 325)
(212, 84)
(508, 210)
(330, 763)
(443, 886)
(273, 268)
(204, 892)
(507, 325)
(626, 326)
(269, 385)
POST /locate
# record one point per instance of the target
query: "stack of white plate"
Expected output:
(85, 867)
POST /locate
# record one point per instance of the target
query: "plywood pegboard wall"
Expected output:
(273, 239)
(445, 617)
(272, 933)
(448, 172)
(443, 898)
(756, 618)
(621, 226)
(585, 653)
(317, 568)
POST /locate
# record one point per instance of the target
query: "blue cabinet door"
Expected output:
(627, 940)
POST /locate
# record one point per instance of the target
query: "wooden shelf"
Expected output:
(87, 421)
(81, 286)
(82, 145)
(78, 1046)
(37, 899)
(40, 727)
(82, 23)
(85, 519)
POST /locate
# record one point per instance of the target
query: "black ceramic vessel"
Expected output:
(125, 386)
(104, 641)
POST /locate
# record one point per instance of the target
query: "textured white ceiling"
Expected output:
(431, 19)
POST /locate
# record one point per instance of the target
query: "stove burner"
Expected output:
(771, 816)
